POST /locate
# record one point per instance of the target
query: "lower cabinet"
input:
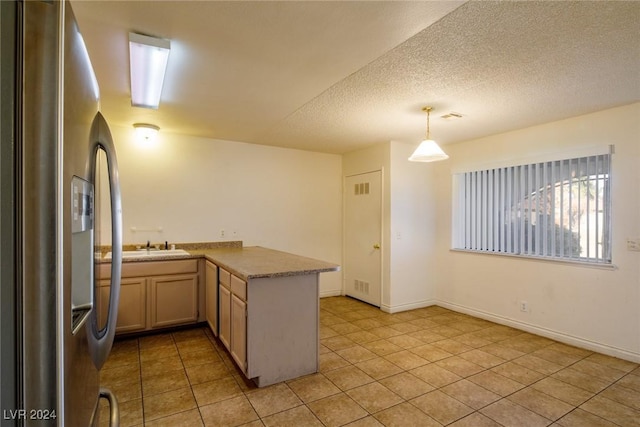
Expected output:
(132, 309)
(211, 295)
(238, 348)
(153, 295)
(225, 315)
(233, 316)
(174, 300)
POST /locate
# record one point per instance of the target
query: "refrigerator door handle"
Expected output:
(114, 409)
(101, 340)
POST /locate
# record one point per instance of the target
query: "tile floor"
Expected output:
(426, 367)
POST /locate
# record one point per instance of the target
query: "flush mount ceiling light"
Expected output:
(148, 58)
(146, 133)
(428, 150)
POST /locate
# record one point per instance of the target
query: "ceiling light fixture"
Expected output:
(146, 134)
(148, 58)
(428, 150)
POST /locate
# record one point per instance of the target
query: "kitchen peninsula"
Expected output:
(268, 310)
(262, 304)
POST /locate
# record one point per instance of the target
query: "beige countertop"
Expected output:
(255, 262)
(250, 262)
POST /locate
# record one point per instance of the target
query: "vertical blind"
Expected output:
(556, 209)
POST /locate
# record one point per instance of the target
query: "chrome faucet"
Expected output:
(148, 245)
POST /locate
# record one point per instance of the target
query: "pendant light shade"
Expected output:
(428, 150)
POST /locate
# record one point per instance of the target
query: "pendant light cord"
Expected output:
(428, 110)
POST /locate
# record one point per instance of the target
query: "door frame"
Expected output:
(382, 235)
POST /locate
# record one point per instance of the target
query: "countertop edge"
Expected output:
(324, 267)
(247, 276)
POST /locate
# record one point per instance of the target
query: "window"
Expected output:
(559, 210)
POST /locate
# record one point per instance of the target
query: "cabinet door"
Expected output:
(174, 300)
(132, 313)
(225, 315)
(239, 332)
(211, 296)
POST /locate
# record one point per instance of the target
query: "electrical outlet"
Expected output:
(222, 233)
(633, 244)
(524, 306)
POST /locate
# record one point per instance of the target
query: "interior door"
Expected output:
(363, 237)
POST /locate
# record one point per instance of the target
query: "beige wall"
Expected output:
(193, 188)
(591, 307)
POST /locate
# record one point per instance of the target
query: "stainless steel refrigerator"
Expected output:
(51, 346)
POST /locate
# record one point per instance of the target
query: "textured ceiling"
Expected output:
(337, 76)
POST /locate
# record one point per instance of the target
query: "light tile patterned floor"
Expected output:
(426, 367)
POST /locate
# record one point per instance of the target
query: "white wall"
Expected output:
(591, 307)
(193, 188)
(413, 224)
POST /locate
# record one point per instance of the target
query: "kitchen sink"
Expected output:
(151, 253)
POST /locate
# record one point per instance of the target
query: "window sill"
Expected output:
(575, 263)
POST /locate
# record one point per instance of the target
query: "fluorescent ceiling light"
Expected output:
(148, 63)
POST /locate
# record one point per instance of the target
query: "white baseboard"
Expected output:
(549, 333)
(405, 307)
(330, 293)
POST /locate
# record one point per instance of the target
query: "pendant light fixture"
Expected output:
(428, 150)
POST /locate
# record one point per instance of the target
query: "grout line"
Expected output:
(141, 389)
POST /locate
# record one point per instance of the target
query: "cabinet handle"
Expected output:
(376, 246)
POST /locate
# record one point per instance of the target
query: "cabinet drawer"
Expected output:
(224, 277)
(239, 287)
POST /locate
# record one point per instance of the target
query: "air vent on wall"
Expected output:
(452, 115)
(361, 188)
(361, 286)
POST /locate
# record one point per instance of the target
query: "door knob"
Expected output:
(376, 246)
